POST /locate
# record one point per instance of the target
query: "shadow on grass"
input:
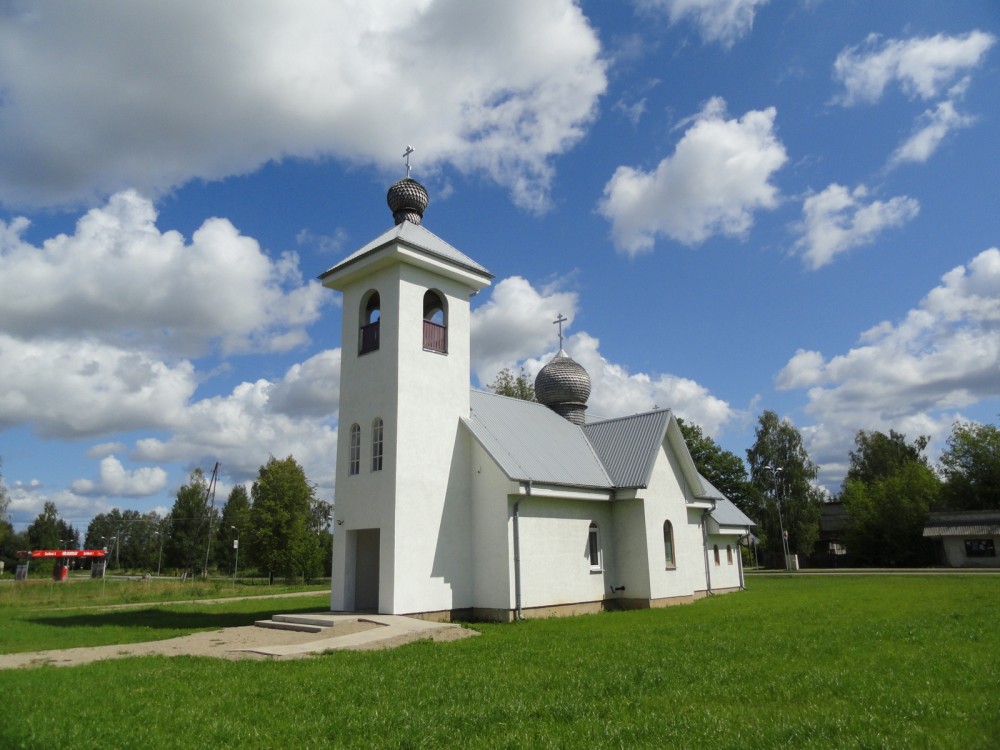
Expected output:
(163, 619)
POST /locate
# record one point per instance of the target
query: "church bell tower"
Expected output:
(401, 536)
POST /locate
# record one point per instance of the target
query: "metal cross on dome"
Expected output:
(560, 320)
(406, 155)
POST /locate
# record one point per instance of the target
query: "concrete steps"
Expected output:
(298, 623)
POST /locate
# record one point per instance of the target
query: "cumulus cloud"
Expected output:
(513, 330)
(718, 175)
(493, 88)
(119, 279)
(933, 126)
(723, 21)
(924, 67)
(838, 219)
(116, 480)
(914, 375)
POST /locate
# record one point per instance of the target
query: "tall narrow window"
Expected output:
(377, 444)
(435, 323)
(594, 547)
(668, 544)
(715, 549)
(354, 466)
(729, 554)
(371, 313)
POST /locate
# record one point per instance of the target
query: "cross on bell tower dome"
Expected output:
(563, 384)
(407, 198)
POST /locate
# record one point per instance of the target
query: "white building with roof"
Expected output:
(455, 502)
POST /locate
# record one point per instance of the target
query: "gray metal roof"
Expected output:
(418, 238)
(963, 523)
(628, 446)
(727, 514)
(531, 442)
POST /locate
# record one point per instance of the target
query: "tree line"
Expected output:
(280, 526)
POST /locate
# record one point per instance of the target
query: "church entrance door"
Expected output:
(366, 570)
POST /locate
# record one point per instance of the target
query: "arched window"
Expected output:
(371, 314)
(729, 554)
(594, 547)
(377, 444)
(668, 544)
(435, 323)
(354, 466)
(715, 549)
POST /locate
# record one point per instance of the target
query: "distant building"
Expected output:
(965, 538)
(455, 502)
(830, 550)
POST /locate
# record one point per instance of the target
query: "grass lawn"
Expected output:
(807, 662)
(40, 615)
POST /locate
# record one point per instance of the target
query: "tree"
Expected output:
(878, 455)
(236, 512)
(188, 528)
(725, 470)
(782, 472)
(971, 467)
(515, 386)
(49, 531)
(282, 541)
(6, 529)
(887, 516)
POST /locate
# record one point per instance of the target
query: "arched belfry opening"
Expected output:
(371, 317)
(435, 323)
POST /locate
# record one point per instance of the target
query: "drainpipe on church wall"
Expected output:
(518, 614)
(704, 543)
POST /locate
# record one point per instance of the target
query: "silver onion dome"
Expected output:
(564, 386)
(407, 200)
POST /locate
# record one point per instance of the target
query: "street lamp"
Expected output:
(777, 503)
(159, 557)
(236, 546)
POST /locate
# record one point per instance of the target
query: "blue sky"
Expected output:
(740, 205)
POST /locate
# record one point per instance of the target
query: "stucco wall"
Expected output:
(493, 557)
(954, 551)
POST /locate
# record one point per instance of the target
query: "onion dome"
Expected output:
(407, 200)
(564, 386)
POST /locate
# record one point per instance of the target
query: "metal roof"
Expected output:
(628, 446)
(416, 237)
(727, 514)
(531, 442)
(963, 523)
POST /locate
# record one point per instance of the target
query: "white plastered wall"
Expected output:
(493, 561)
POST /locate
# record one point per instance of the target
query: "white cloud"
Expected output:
(83, 388)
(836, 220)
(515, 323)
(933, 127)
(151, 95)
(116, 480)
(119, 279)
(723, 21)
(924, 67)
(717, 177)
(913, 376)
(513, 329)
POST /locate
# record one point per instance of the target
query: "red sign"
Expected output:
(46, 553)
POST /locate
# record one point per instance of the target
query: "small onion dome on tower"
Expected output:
(564, 386)
(407, 200)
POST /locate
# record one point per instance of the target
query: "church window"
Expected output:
(371, 313)
(435, 323)
(377, 444)
(354, 466)
(715, 550)
(594, 547)
(729, 554)
(668, 544)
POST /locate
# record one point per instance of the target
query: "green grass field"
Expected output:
(793, 662)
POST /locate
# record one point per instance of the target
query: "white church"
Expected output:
(453, 502)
